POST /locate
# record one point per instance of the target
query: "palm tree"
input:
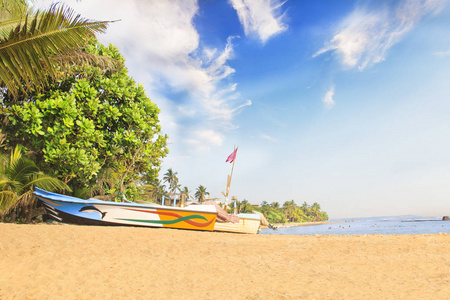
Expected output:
(299, 215)
(305, 207)
(175, 186)
(160, 191)
(186, 192)
(171, 178)
(245, 207)
(289, 208)
(315, 209)
(200, 193)
(34, 43)
(275, 204)
(18, 176)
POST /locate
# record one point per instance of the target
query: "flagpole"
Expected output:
(229, 178)
(232, 168)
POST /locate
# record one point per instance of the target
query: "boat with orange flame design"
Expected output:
(68, 209)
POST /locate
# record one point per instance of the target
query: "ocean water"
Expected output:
(375, 225)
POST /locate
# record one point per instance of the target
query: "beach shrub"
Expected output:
(18, 176)
(92, 124)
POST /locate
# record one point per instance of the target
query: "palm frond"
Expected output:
(12, 14)
(20, 167)
(7, 200)
(84, 59)
(25, 54)
(10, 185)
(147, 190)
(45, 182)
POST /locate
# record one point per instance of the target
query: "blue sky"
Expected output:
(344, 103)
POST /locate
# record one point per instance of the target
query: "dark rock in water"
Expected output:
(446, 218)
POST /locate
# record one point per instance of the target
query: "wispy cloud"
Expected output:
(328, 100)
(442, 53)
(203, 140)
(261, 18)
(267, 137)
(220, 102)
(364, 37)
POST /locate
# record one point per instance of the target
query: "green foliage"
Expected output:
(18, 176)
(242, 207)
(83, 129)
(290, 212)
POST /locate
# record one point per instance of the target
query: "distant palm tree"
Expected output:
(18, 176)
(200, 193)
(34, 43)
(176, 186)
(289, 208)
(289, 204)
(186, 192)
(171, 178)
(159, 191)
(315, 209)
(245, 207)
(305, 207)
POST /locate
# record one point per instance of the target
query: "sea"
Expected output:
(372, 225)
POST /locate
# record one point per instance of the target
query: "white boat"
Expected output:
(248, 223)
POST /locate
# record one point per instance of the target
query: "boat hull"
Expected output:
(97, 212)
(248, 223)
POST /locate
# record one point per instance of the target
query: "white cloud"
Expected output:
(365, 36)
(260, 17)
(162, 50)
(442, 53)
(328, 100)
(267, 137)
(203, 140)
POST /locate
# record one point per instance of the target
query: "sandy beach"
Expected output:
(80, 262)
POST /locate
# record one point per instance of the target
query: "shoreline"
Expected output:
(289, 225)
(85, 262)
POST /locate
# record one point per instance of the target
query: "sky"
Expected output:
(343, 103)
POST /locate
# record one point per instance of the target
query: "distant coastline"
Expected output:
(288, 225)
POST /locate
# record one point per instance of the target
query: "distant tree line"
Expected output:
(291, 212)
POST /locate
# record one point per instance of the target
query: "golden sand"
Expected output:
(80, 262)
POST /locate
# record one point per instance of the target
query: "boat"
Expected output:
(239, 223)
(67, 209)
(248, 223)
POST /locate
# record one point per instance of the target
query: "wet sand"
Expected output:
(80, 262)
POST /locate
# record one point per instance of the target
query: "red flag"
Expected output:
(232, 156)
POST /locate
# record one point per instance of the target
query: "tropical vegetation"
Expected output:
(89, 131)
(243, 206)
(18, 176)
(291, 212)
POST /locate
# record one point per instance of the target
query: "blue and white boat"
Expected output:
(73, 210)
